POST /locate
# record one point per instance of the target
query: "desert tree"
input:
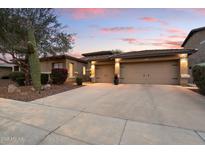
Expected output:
(27, 34)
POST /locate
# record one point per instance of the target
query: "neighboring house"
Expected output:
(6, 69)
(195, 40)
(75, 66)
(169, 66)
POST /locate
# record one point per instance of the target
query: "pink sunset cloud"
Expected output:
(130, 40)
(162, 42)
(173, 44)
(86, 13)
(77, 54)
(152, 19)
(118, 29)
(176, 31)
(167, 42)
(182, 37)
(199, 11)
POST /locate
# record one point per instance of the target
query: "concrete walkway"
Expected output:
(107, 114)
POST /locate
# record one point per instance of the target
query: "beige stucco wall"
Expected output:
(77, 69)
(194, 43)
(5, 71)
(46, 67)
(183, 72)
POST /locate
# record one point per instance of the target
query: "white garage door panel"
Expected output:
(150, 73)
(104, 73)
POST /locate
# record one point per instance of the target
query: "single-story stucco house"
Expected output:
(75, 66)
(168, 66)
(163, 66)
(195, 40)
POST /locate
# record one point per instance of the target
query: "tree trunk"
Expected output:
(34, 62)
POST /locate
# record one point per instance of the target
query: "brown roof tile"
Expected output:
(153, 53)
(62, 57)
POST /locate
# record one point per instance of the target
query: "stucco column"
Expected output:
(184, 71)
(92, 71)
(67, 67)
(117, 67)
(13, 69)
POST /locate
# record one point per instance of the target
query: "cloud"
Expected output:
(173, 43)
(76, 54)
(199, 11)
(130, 40)
(162, 42)
(166, 42)
(182, 37)
(153, 19)
(118, 29)
(175, 30)
(87, 13)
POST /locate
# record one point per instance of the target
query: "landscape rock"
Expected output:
(33, 89)
(12, 88)
(47, 86)
(24, 93)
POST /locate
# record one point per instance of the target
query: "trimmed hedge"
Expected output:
(198, 73)
(44, 78)
(59, 76)
(18, 77)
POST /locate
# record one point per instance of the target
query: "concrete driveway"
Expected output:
(107, 114)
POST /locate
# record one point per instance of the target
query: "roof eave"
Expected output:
(62, 57)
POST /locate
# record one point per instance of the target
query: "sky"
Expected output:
(98, 29)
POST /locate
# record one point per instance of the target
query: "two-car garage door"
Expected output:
(150, 72)
(164, 72)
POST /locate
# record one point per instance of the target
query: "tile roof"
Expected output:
(62, 57)
(99, 57)
(99, 53)
(141, 54)
(153, 53)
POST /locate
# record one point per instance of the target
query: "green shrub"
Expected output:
(18, 77)
(198, 73)
(79, 81)
(44, 78)
(59, 76)
(20, 81)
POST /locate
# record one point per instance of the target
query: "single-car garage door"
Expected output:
(150, 72)
(104, 73)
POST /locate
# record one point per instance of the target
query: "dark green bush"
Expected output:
(18, 77)
(59, 76)
(20, 81)
(198, 73)
(44, 78)
(79, 81)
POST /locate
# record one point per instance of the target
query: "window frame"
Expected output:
(58, 65)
